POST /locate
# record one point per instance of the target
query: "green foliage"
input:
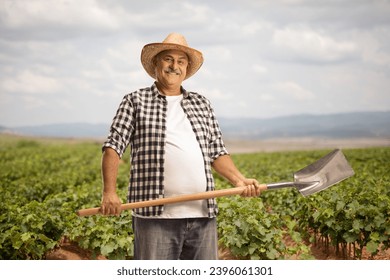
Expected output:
(355, 211)
(253, 233)
(43, 184)
(109, 236)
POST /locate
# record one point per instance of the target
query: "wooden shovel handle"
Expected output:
(170, 200)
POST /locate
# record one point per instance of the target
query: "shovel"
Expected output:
(320, 175)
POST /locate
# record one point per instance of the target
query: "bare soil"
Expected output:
(71, 251)
(295, 144)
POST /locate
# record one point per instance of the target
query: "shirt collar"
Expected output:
(156, 93)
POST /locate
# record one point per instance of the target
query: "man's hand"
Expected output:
(225, 167)
(111, 204)
(253, 187)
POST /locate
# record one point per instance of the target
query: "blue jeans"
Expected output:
(175, 239)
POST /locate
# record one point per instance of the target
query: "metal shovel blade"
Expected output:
(323, 173)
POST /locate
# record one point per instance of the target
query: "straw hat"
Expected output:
(174, 41)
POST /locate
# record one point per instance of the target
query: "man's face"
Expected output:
(171, 67)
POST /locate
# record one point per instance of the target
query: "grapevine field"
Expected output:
(43, 182)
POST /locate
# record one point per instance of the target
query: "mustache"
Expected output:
(172, 71)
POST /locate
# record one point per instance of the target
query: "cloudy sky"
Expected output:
(72, 61)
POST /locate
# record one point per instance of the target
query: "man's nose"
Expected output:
(174, 64)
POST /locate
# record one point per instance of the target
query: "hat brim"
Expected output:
(149, 51)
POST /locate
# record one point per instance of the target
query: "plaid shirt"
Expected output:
(140, 122)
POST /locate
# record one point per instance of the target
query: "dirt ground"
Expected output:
(71, 251)
(293, 144)
(68, 250)
(321, 254)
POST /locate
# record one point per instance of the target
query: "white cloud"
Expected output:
(303, 44)
(294, 90)
(254, 27)
(52, 14)
(259, 69)
(33, 102)
(266, 97)
(65, 54)
(198, 13)
(218, 53)
(31, 83)
(374, 46)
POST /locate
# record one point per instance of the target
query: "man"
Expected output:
(175, 140)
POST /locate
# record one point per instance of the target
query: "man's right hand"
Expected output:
(111, 204)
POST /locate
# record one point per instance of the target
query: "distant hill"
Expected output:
(64, 130)
(348, 125)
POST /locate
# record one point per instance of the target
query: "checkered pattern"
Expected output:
(140, 122)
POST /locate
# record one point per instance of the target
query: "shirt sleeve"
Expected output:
(122, 127)
(217, 146)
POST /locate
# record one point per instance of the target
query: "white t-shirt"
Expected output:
(183, 164)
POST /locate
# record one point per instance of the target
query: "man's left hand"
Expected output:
(252, 188)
